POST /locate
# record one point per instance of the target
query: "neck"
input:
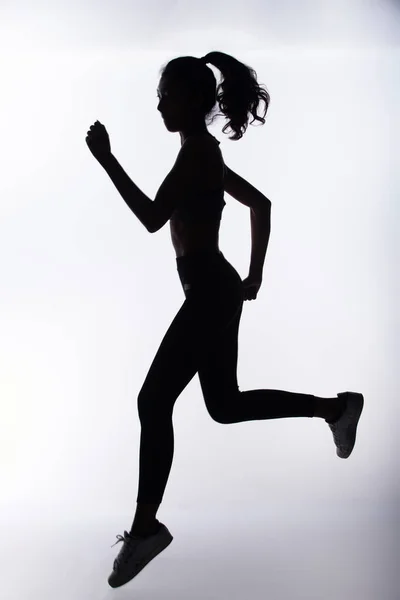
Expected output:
(192, 131)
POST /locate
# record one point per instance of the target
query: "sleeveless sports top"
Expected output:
(202, 206)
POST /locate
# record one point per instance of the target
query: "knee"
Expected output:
(221, 419)
(146, 406)
(218, 415)
(221, 403)
(153, 407)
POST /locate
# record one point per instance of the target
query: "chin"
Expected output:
(169, 126)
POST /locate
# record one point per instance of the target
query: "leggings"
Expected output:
(203, 339)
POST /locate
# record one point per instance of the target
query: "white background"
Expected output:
(262, 508)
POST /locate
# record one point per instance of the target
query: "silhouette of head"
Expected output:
(181, 104)
(189, 95)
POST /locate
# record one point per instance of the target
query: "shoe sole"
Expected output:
(355, 404)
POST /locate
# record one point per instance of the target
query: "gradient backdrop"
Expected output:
(261, 509)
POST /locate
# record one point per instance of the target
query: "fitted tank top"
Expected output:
(202, 206)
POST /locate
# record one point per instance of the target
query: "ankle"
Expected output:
(328, 409)
(145, 529)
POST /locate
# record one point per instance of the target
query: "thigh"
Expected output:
(218, 370)
(194, 334)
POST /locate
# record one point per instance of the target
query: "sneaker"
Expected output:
(344, 429)
(136, 553)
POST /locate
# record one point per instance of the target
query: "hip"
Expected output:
(205, 270)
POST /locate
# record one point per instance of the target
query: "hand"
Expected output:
(98, 141)
(251, 285)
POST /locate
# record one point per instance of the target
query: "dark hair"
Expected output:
(238, 95)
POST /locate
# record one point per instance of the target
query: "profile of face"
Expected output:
(177, 107)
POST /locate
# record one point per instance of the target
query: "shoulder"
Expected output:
(200, 162)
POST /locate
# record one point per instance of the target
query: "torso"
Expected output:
(197, 236)
(187, 238)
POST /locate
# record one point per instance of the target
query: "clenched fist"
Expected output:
(98, 141)
(251, 286)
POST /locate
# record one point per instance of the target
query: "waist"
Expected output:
(201, 255)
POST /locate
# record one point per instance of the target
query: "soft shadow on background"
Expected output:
(263, 508)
